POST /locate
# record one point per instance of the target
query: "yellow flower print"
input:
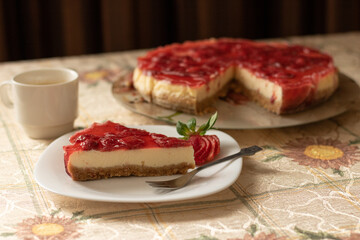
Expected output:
(320, 152)
(49, 228)
(106, 74)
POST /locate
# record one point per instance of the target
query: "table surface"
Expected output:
(284, 192)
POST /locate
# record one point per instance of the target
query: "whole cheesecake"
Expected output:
(280, 77)
(112, 150)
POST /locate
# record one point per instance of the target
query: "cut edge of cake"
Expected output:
(269, 94)
(266, 93)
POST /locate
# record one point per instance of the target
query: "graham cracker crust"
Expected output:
(83, 174)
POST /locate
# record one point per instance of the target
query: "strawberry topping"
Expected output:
(206, 147)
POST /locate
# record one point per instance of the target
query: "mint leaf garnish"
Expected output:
(182, 129)
(189, 129)
(191, 124)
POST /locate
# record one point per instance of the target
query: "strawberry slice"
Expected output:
(216, 143)
(202, 147)
(199, 146)
(208, 153)
(206, 147)
(215, 147)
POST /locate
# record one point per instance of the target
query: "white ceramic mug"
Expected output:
(45, 101)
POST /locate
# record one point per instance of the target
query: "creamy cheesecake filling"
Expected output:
(263, 87)
(151, 157)
(269, 89)
(274, 97)
(143, 83)
(327, 85)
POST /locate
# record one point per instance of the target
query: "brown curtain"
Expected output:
(46, 28)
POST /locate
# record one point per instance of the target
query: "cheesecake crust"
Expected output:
(84, 174)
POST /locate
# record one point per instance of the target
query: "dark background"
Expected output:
(47, 28)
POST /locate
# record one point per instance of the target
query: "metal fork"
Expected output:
(185, 179)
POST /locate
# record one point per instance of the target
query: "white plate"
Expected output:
(247, 115)
(50, 174)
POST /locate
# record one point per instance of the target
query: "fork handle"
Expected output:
(243, 152)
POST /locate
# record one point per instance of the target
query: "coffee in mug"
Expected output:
(45, 101)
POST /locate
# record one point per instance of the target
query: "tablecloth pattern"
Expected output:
(304, 185)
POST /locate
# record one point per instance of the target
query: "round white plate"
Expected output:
(247, 115)
(50, 174)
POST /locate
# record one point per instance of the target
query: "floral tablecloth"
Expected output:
(304, 185)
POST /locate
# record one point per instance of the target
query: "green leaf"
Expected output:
(356, 141)
(53, 213)
(189, 129)
(86, 218)
(169, 118)
(269, 147)
(7, 234)
(204, 237)
(191, 124)
(315, 235)
(202, 129)
(274, 158)
(212, 120)
(338, 171)
(77, 214)
(253, 229)
(182, 129)
(210, 123)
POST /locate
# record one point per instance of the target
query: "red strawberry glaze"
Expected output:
(111, 136)
(295, 68)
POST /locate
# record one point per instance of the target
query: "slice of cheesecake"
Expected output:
(185, 77)
(112, 150)
(282, 78)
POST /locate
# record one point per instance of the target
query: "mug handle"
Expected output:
(4, 95)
